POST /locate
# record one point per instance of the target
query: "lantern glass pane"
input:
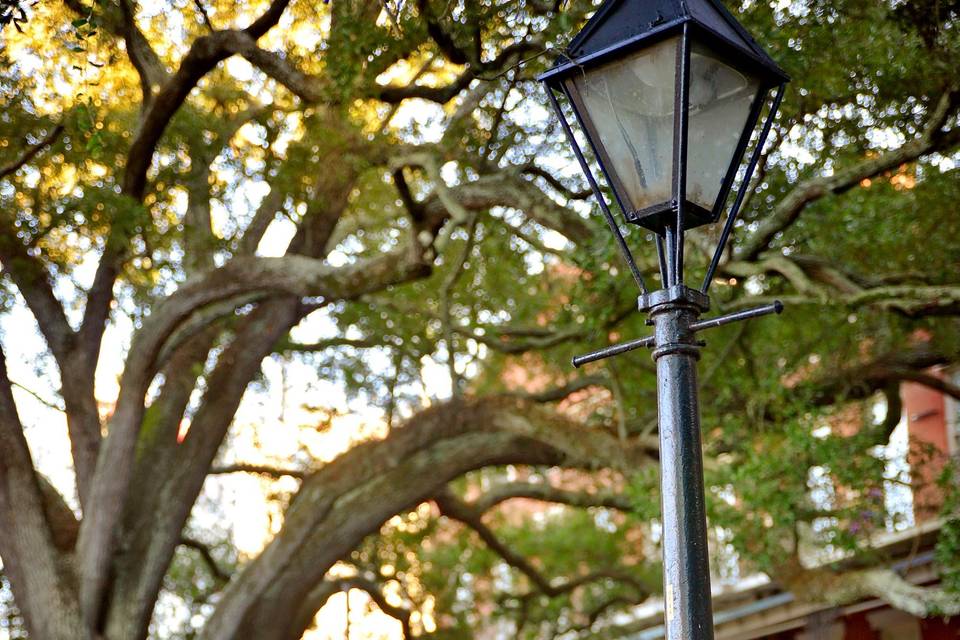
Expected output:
(720, 101)
(627, 108)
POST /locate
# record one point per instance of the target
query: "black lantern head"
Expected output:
(668, 93)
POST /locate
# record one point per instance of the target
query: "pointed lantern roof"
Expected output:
(625, 24)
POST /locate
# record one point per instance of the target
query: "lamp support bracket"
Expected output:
(674, 313)
(677, 295)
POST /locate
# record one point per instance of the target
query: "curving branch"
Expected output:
(910, 301)
(375, 591)
(444, 41)
(456, 509)
(27, 272)
(552, 180)
(219, 574)
(882, 373)
(545, 492)
(259, 27)
(204, 54)
(936, 383)
(145, 60)
(508, 189)
(564, 391)
(841, 588)
(352, 496)
(200, 59)
(319, 596)
(310, 89)
(932, 139)
(179, 466)
(119, 20)
(31, 152)
(258, 469)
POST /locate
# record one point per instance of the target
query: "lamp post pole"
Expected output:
(686, 565)
(674, 313)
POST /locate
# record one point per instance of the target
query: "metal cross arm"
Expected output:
(649, 341)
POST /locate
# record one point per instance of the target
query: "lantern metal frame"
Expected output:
(703, 21)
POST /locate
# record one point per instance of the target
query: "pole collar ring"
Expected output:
(669, 348)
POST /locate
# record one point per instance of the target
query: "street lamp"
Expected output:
(669, 95)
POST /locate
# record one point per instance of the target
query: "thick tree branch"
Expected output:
(293, 275)
(414, 208)
(76, 368)
(41, 577)
(259, 27)
(145, 60)
(861, 381)
(846, 587)
(936, 383)
(96, 313)
(33, 282)
(201, 58)
(203, 55)
(450, 50)
(361, 489)
(310, 89)
(28, 273)
(176, 474)
(180, 470)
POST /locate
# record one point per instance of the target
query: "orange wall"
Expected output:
(926, 414)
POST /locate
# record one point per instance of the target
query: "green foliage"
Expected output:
(948, 543)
